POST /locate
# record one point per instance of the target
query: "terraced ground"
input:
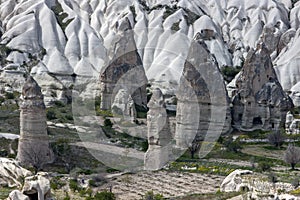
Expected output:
(169, 184)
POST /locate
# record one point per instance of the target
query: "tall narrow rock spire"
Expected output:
(33, 146)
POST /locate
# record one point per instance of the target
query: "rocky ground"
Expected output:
(169, 184)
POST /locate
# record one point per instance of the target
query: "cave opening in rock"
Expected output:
(33, 195)
(257, 121)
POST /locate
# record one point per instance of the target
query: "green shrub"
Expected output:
(67, 197)
(56, 183)
(264, 166)
(59, 104)
(104, 113)
(151, 196)
(233, 146)
(105, 195)
(108, 123)
(296, 192)
(230, 72)
(50, 114)
(276, 139)
(74, 185)
(85, 192)
(9, 95)
(96, 181)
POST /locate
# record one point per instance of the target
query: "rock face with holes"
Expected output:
(255, 186)
(234, 181)
(33, 146)
(125, 69)
(11, 173)
(159, 134)
(123, 106)
(37, 186)
(260, 102)
(34, 187)
(203, 104)
(291, 124)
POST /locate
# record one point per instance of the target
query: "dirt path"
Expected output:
(258, 150)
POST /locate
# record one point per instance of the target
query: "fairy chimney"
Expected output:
(33, 149)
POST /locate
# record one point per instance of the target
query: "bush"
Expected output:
(108, 123)
(264, 166)
(67, 197)
(56, 183)
(74, 185)
(230, 72)
(233, 146)
(105, 195)
(296, 192)
(96, 181)
(292, 155)
(51, 115)
(151, 196)
(276, 139)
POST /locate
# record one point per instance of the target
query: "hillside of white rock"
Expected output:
(67, 38)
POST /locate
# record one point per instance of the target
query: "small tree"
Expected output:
(276, 138)
(233, 146)
(35, 156)
(193, 148)
(108, 123)
(292, 155)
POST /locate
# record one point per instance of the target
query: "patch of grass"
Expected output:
(104, 195)
(257, 134)
(296, 192)
(104, 113)
(74, 186)
(217, 152)
(60, 113)
(56, 183)
(4, 192)
(60, 134)
(125, 139)
(151, 195)
(10, 118)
